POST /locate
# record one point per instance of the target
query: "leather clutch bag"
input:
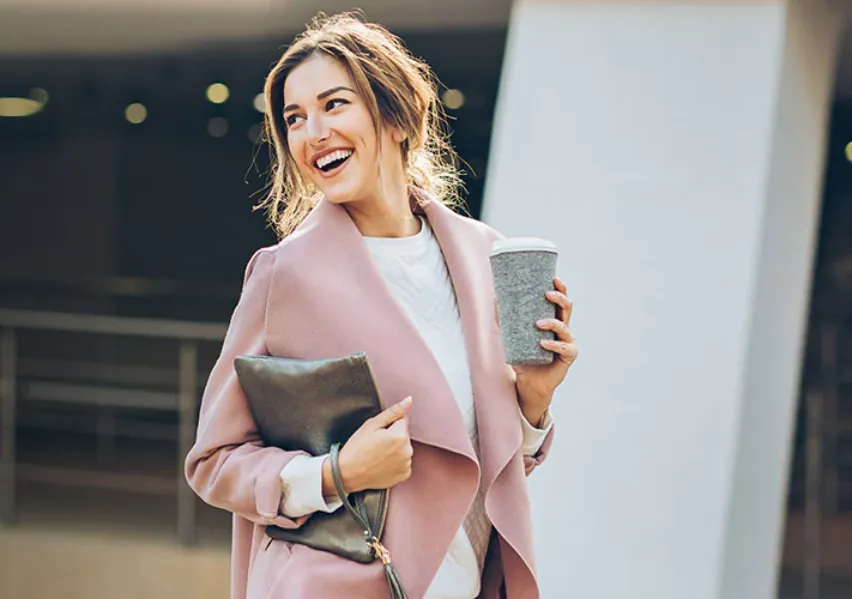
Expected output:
(311, 406)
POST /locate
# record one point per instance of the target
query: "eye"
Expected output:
(292, 119)
(332, 104)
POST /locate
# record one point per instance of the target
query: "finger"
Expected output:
(557, 326)
(563, 289)
(402, 423)
(567, 352)
(566, 306)
(392, 414)
(496, 313)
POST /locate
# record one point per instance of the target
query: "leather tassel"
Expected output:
(358, 511)
(396, 590)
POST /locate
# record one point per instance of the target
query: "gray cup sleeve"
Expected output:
(521, 279)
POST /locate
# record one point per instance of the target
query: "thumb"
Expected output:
(392, 414)
(400, 426)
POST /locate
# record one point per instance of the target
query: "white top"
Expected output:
(415, 270)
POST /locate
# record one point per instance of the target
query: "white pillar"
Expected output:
(674, 150)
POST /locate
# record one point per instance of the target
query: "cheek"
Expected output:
(368, 144)
(299, 152)
(358, 126)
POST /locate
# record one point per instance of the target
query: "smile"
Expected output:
(332, 161)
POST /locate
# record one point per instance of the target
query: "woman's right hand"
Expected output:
(377, 455)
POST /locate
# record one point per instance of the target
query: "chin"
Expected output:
(338, 198)
(341, 196)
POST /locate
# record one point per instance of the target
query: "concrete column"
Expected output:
(675, 152)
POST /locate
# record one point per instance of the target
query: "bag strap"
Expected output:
(359, 512)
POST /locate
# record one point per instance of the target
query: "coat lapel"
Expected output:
(329, 299)
(339, 275)
(465, 246)
(466, 255)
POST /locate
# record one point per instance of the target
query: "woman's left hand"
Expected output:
(536, 384)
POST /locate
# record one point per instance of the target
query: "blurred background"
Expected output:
(130, 159)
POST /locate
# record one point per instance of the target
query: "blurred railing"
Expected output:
(83, 383)
(125, 296)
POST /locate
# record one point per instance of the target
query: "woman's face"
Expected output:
(331, 136)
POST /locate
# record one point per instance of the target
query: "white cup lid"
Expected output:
(523, 244)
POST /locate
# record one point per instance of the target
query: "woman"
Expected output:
(372, 260)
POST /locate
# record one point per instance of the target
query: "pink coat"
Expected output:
(317, 294)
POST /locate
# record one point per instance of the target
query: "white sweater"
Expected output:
(415, 270)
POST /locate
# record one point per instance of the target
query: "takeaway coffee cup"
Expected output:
(523, 270)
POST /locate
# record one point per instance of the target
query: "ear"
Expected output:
(397, 135)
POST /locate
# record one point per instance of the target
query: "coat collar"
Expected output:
(332, 247)
(466, 255)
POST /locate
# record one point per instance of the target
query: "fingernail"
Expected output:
(406, 401)
(541, 323)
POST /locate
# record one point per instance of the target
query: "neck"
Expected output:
(388, 215)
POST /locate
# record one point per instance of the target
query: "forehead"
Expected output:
(314, 76)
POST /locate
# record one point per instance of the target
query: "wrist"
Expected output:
(329, 489)
(533, 407)
(348, 474)
(535, 416)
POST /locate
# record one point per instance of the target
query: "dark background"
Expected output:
(158, 216)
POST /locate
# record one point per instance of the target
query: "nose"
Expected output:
(318, 130)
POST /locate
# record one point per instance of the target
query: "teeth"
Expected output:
(329, 158)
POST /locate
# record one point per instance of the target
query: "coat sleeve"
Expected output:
(533, 462)
(228, 466)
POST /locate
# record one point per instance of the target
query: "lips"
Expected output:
(332, 160)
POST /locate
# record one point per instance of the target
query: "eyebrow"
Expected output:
(321, 96)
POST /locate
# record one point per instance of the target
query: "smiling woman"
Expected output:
(331, 99)
(332, 139)
(372, 261)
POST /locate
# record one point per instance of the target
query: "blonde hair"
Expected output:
(399, 90)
